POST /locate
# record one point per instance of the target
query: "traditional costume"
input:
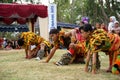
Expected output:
(74, 53)
(31, 38)
(100, 40)
(116, 66)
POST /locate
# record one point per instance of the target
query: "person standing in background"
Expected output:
(111, 23)
(103, 26)
(116, 28)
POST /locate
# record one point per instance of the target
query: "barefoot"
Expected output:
(26, 57)
(29, 57)
(54, 63)
(86, 69)
(93, 72)
(109, 69)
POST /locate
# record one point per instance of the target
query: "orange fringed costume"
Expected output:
(116, 66)
(75, 53)
(115, 47)
(78, 52)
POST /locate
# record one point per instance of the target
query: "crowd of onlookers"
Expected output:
(8, 44)
(113, 26)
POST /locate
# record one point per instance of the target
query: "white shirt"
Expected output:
(110, 26)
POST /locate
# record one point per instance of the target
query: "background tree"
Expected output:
(6, 1)
(96, 10)
(110, 7)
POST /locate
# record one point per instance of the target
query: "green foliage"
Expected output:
(6, 1)
(13, 66)
(67, 12)
(96, 10)
(9, 35)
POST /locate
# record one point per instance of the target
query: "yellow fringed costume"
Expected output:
(100, 40)
(31, 38)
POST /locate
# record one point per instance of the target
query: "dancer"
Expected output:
(99, 40)
(29, 39)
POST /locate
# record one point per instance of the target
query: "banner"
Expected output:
(52, 16)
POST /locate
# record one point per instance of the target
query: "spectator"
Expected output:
(97, 25)
(111, 23)
(116, 28)
(103, 26)
(9, 45)
(4, 42)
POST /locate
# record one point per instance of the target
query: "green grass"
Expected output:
(13, 66)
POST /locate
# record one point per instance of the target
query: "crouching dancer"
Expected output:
(59, 41)
(99, 40)
(74, 50)
(27, 39)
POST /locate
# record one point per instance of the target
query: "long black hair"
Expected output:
(20, 42)
(54, 31)
(87, 28)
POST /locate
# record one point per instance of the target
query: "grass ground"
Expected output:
(13, 66)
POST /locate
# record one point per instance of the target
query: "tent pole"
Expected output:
(29, 25)
(32, 25)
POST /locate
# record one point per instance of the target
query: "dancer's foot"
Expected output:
(37, 58)
(93, 71)
(109, 70)
(57, 63)
(86, 69)
(26, 57)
